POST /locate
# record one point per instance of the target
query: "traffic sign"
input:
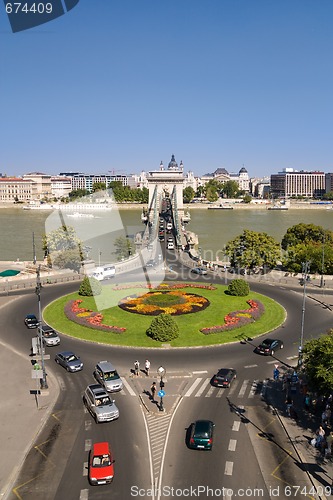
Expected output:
(161, 394)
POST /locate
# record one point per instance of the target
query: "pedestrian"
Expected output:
(307, 401)
(289, 403)
(153, 391)
(136, 368)
(329, 439)
(147, 366)
(320, 433)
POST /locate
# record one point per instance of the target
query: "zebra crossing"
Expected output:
(200, 387)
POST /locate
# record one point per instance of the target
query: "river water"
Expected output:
(214, 228)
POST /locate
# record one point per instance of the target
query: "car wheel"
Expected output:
(67, 368)
(57, 361)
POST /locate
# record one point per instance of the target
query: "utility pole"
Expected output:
(43, 381)
(322, 282)
(305, 271)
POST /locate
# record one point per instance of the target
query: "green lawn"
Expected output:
(189, 324)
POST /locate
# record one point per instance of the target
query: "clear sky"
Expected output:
(120, 85)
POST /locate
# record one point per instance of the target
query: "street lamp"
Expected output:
(305, 271)
(322, 264)
(161, 372)
(43, 382)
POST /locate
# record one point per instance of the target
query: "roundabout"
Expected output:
(206, 314)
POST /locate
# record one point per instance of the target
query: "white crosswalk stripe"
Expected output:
(128, 387)
(200, 387)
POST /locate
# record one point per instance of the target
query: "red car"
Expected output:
(101, 462)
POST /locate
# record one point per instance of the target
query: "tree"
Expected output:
(239, 288)
(212, 194)
(123, 248)
(63, 238)
(308, 243)
(98, 186)
(247, 198)
(318, 363)
(230, 189)
(90, 287)
(163, 328)
(68, 259)
(253, 249)
(78, 193)
(188, 194)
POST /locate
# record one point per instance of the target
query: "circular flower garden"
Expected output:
(168, 302)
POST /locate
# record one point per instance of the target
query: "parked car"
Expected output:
(69, 360)
(151, 263)
(170, 245)
(199, 270)
(224, 377)
(106, 374)
(50, 336)
(99, 404)
(269, 346)
(201, 437)
(101, 462)
(31, 321)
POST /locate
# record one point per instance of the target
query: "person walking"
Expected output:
(147, 367)
(329, 439)
(136, 368)
(153, 391)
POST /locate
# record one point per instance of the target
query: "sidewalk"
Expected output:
(21, 419)
(300, 432)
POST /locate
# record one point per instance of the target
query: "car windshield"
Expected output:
(50, 334)
(103, 401)
(266, 343)
(201, 435)
(111, 375)
(101, 461)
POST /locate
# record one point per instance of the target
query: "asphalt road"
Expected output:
(149, 446)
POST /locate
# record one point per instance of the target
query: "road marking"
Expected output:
(236, 425)
(61, 383)
(228, 468)
(253, 389)
(84, 494)
(271, 362)
(232, 444)
(243, 389)
(233, 387)
(85, 468)
(220, 392)
(202, 388)
(250, 366)
(209, 392)
(87, 445)
(128, 387)
(193, 386)
(199, 372)
(87, 425)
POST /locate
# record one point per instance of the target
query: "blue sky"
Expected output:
(123, 84)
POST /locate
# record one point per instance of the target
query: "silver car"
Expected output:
(99, 404)
(50, 336)
(106, 374)
(69, 360)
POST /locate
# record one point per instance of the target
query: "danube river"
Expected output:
(214, 228)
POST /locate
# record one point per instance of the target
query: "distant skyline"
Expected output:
(120, 86)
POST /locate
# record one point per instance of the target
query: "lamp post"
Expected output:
(305, 271)
(322, 264)
(161, 372)
(43, 381)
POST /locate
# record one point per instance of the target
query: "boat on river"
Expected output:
(221, 206)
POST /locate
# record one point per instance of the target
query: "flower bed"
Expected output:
(88, 318)
(166, 286)
(170, 302)
(237, 319)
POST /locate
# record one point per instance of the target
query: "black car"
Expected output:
(151, 263)
(201, 437)
(224, 377)
(31, 321)
(269, 346)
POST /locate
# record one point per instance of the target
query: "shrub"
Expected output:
(90, 287)
(163, 328)
(239, 288)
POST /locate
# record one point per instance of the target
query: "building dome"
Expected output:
(173, 164)
(243, 170)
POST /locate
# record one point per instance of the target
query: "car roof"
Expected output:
(268, 341)
(202, 424)
(31, 316)
(98, 390)
(67, 353)
(101, 448)
(106, 366)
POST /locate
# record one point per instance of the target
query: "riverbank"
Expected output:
(308, 205)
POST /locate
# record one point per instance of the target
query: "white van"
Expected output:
(104, 273)
(170, 246)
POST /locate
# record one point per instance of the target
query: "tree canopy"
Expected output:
(188, 194)
(318, 363)
(123, 248)
(253, 249)
(230, 189)
(308, 243)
